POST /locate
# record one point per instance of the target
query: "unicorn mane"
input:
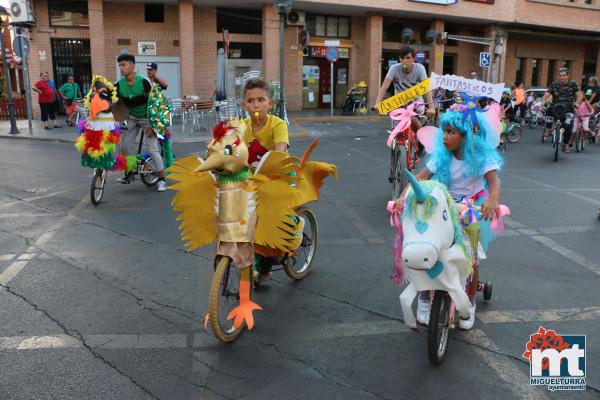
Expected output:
(430, 203)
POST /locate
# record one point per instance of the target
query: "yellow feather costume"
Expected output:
(221, 200)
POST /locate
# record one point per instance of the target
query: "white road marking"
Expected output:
(596, 202)
(506, 368)
(565, 314)
(554, 245)
(13, 269)
(45, 196)
(26, 256)
(9, 273)
(7, 257)
(158, 341)
(26, 215)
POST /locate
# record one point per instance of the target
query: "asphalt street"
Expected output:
(104, 303)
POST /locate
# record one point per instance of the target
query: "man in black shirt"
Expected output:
(564, 92)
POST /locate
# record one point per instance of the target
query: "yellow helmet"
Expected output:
(362, 84)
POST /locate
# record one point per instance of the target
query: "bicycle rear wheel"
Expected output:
(299, 265)
(97, 186)
(439, 327)
(224, 296)
(399, 178)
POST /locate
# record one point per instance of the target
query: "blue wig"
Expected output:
(476, 151)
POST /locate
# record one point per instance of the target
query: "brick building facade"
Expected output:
(531, 39)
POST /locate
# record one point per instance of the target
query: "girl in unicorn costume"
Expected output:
(463, 159)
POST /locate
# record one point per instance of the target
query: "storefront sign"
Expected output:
(147, 48)
(332, 43)
(472, 87)
(321, 52)
(404, 97)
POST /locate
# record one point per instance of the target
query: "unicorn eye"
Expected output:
(228, 150)
(445, 215)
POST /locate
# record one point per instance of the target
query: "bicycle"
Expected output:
(442, 316)
(535, 115)
(144, 168)
(224, 293)
(579, 137)
(405, 154)
(514, 130)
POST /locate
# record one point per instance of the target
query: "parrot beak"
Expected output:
(212, 162)
(97, 105)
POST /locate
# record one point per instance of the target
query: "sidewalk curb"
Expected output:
(63, 140)
(41, 139)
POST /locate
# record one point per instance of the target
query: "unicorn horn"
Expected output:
(417, 188)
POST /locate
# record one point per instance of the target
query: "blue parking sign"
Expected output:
(484, 59)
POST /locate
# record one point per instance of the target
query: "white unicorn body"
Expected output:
(435, 252)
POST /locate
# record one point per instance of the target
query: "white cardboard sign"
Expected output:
(472, 87)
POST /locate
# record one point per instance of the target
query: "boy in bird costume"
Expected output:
(251, 212)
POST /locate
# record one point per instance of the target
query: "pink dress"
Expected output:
(583, 117)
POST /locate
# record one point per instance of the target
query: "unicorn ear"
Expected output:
(426, 136)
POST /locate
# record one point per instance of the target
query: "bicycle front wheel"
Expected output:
(97, 186)
(439, 327)
(513, 134)
(556, 142)
(300, 264)
(399, 178)
(224, 296)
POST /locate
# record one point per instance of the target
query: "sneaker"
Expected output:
(126, 179)
(162, 186)
(259, 278)
(423, 310)
(467, 324)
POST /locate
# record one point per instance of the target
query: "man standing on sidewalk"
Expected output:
(151, 69)
(133, 91)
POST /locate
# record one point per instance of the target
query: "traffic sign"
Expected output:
(332, 54)
(485, 59)
(17, 42)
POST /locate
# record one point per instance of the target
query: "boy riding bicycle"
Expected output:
(133, 90)
(264, 133)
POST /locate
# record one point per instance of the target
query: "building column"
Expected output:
(186, 47)
(527, 71)
(436, 58)
(374, 42)
(500, 55)
(543, 74)
(97, 44)
(576, 72)
(270, 43)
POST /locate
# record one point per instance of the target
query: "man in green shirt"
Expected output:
(133, 90)
(70, 92)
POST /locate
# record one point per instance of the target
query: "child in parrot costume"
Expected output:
(220, 199)
(99, 134)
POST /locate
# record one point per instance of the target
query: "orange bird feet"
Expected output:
(243, 312)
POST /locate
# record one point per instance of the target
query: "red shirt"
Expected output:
(47, 95)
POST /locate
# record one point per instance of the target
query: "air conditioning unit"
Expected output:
(21, 12)
(296, 18)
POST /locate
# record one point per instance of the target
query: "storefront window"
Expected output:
(519, 70)
(535, 72)
(237, 20)
(551, 68)
(328, 26)
(68, 13)
(332, 26)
